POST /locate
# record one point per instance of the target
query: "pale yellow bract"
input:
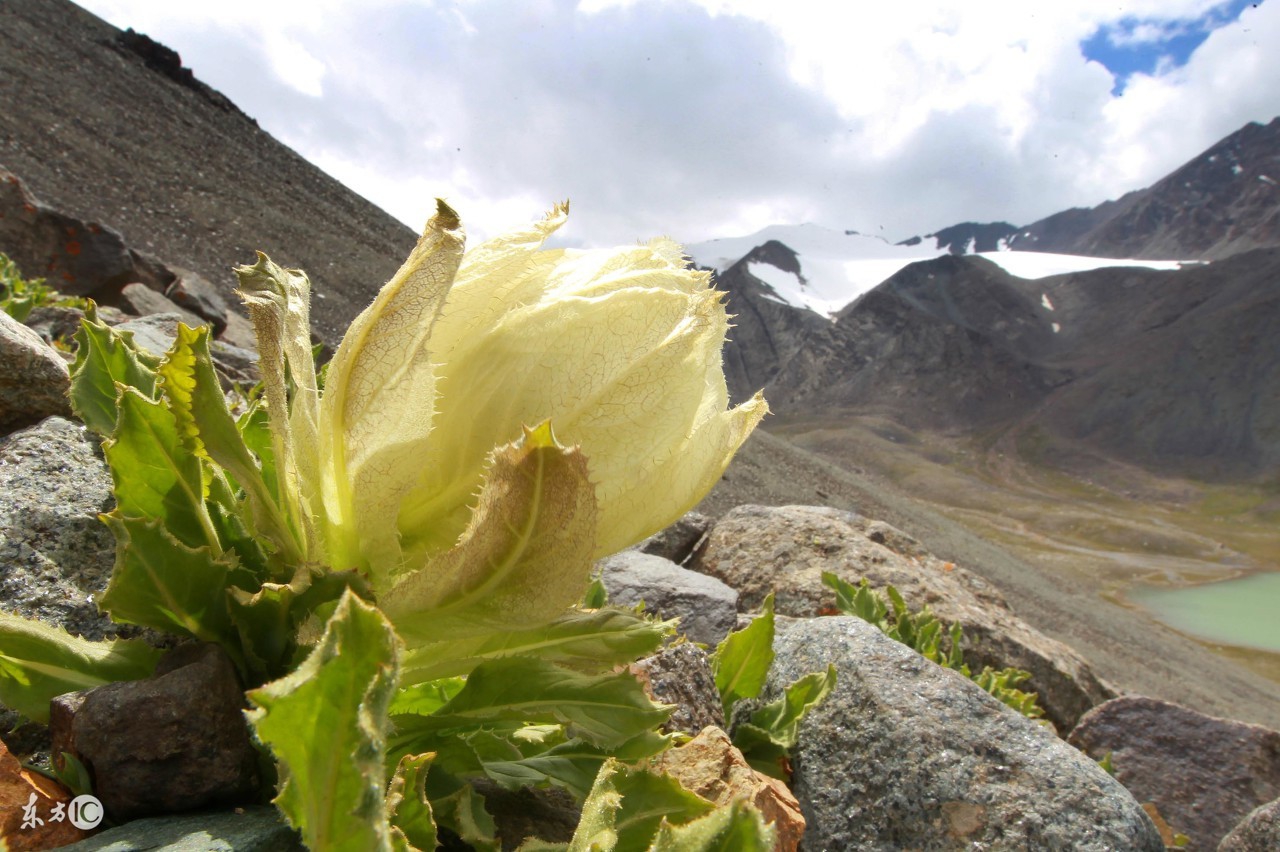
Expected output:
(619, 349)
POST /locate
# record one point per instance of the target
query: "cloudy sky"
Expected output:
(707, 118)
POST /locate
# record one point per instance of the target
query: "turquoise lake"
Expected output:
(1243, 612)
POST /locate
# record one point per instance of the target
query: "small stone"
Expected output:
(706, 607)
(193, 292)
(34, 380)
(678, 541)
(141, 300)
(712, 767)
(173, 742)
(681, 674)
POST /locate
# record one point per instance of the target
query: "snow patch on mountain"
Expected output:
(836, 267)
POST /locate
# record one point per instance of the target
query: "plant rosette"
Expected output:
(395, 550)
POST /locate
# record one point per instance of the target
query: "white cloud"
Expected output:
(710, 119)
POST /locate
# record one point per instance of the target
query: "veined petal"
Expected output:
(379, 401)
(612, 373)
(279, 305)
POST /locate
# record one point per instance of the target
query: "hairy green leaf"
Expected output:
(736, 828)
(208, 430)
(741, 662)
(39, 662)
(596, 832)
(407, 805)
(155, 475)
(463, 812)
(326, 724)
(160, 582)
(106, 358)
(774, 728)
(647, 800)
(606, 710)
(590, 641)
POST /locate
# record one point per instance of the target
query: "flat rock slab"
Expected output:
(1204, 774)
(904, 754)
(255, 829)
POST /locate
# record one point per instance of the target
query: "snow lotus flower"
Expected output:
(481, 388)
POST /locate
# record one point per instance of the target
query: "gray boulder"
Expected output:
(678, 541)
(681, 674)
(759, 549)
(1204, 774)
(1258, 832)
(34, 379)
(141, 300)
(706, 607)
(904, 754)
(55, 555)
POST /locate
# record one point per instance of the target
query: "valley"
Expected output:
(1106, 527)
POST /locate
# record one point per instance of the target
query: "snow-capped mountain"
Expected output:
(824, 270)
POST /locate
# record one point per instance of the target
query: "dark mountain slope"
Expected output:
(1224, 201)
(1175, 370)
(109, 127)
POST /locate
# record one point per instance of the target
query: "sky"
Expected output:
(699, 119)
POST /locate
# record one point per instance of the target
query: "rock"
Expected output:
(1258, 832)
(548, 814)
(76, 257)
(904, 754)
(35, 379)
(680, 674)
(757, 549)
(55, 555)
(28, 819)
(712, 767)
(157, 332)
(173, 742)
(1204, 774)
(194, 293)
(260, 828)
(141, 300)
(705, 606)
(678, 541)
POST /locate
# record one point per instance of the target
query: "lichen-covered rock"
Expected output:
(1258, 832)
(1204, 774)
(904, 754)
(706, 607)
(759, 549)
(55, 555)
(681, 674)
(34, 379)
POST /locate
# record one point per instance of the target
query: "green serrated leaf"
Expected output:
(155, 475)
(596, 595)
(605, 710)
(106, 358)
(463, 812)
(774, 728)
(326, 724)
(160, 582)
(595, 831)
(736, 828)
(408, 808)
(39, 662)
(590, 641)
(207, 429)
(647, 800)
(741, 662)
